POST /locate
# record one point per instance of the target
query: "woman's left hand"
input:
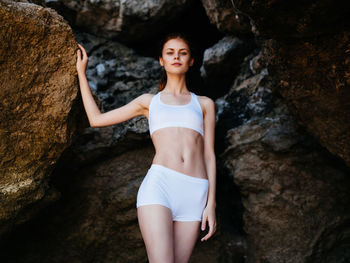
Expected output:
(209, 215)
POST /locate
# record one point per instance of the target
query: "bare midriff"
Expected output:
(180, 149)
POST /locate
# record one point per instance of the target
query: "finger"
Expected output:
(212, 229)
(83, 50)
(204, 221)
(79, 54)
(207, 236)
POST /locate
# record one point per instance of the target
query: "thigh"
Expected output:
(156, 227)
(185, 237)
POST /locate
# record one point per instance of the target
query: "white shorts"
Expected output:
(186, 196)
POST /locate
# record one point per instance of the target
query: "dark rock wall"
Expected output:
(293, 190)
(307, 47)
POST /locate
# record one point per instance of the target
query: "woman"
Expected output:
(177, 195)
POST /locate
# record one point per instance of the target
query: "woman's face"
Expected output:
(176, 57)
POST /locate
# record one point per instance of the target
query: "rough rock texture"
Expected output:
(315, 78)
(97, 220)
(37, 2)
(300, 19)
(222, 61)
(308, 49)
(38, 91)
(223, 15)
(129, 21)
(117, 75)
(295, 193)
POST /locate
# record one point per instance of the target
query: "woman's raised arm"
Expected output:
(134, 108)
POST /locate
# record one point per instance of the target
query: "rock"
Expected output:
(294, 192)
(97, 214)
(226, 17)
(314, 78)
(127, 21)
(38, 107)
(306, 49)
(117, 75)
(221, 62)
(37, 2)
(278, 19)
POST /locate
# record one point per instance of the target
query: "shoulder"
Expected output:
(206, 103)
(144, 99)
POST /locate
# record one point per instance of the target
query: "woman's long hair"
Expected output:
(187, 39)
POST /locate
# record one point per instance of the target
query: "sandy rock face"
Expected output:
(38, 89)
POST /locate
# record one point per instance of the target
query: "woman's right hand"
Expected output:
(82, 61)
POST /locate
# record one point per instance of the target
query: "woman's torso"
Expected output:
(178, 148)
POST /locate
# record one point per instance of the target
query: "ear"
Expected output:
(161, 61)
(191, 62)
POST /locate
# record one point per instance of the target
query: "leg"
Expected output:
(185, 237)
(156, 227)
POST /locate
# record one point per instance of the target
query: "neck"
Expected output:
(176, 84)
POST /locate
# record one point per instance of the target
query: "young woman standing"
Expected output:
(177, 196)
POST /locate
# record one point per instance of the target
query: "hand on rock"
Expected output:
(82, 61)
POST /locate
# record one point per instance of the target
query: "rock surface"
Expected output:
(294, 192)
(307, 50)
(280, 20)
(38, 94)
(315, 78)
(128, 21)
(223, 14)
(222, 61)
(117, 75)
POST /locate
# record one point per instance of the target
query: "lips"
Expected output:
(176, 64)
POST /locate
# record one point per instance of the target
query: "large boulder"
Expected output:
(37, 98)
(226, 18)
(314, 77)
(128, 21)
(307, 46)
(289, 20)
(294, 192)
(221, 62)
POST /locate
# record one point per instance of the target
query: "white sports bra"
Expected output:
(163, 115)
